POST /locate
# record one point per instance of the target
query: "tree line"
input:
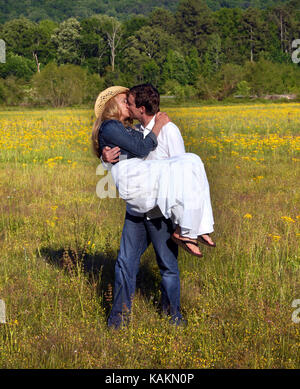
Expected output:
(191, 52)
(60, 10)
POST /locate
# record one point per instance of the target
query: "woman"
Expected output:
(178, 185)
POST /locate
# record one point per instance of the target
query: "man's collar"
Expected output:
(150, 125)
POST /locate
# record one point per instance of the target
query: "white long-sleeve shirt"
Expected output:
(170, 144)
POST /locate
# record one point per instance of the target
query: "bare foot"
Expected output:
(206, 239)
(188, 244)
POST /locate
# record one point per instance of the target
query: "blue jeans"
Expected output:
(137, 234)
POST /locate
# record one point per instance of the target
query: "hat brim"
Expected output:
(105, 96)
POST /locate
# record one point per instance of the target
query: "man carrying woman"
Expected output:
(153, 209)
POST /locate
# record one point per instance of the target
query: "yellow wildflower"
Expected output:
(288, 219)
(276, 238)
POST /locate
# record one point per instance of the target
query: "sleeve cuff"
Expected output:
(153, 137)
(106, 165)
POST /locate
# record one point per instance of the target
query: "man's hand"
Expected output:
(110, 155)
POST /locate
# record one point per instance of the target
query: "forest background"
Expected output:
(62, 53)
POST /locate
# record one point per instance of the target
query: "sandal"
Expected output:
(204, 241)
(183, 244)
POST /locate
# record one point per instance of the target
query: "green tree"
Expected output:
(252, 31)
(44, 48)
(113, 31)
(20, 36)
(222, 84)
(153, 43)
(194, 66)
(134, 24)
(286, 20)
(12, 91)
(243, 89)
(227, 22)
(194, 23)
(66, 39)
(61, 85)
(93, 48)
(163, 19)
(134, 60)
(266, 77)
(175, 68)
(147, 45)
(230, 76)
(17, 66)
(259, 75)
(94, 85)
(151, 72)
(213, 56)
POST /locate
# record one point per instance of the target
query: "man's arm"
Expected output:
(174, 140)
(175, 146)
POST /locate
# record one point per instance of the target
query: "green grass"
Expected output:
(59, 242)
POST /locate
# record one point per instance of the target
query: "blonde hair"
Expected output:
(111, 111)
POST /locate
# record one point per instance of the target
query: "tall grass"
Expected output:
(59, 242)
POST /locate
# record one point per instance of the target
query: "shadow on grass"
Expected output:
(99, 269)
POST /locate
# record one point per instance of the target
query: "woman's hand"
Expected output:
(110, 155)
(161, 119)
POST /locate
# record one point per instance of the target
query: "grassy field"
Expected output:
(59, 242)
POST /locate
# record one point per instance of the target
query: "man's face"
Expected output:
(134, 112)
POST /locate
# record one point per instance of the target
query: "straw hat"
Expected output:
(106, 95)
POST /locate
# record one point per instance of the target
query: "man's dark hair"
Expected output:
(146, 95)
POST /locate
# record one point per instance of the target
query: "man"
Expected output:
(141, 229)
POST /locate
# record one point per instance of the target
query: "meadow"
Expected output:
(59, 242)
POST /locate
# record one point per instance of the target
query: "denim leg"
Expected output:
(134, 242)
(166, 251)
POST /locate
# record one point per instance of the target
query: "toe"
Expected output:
(208, 239)
(194, 249)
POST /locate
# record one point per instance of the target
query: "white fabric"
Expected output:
(170, 144)
(177, 185)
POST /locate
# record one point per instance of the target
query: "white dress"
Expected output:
(177, 185)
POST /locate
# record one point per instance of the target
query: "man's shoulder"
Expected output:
(173, 139)
(171, 129)
(170, 125)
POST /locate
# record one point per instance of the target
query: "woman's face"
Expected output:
(122, 102)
